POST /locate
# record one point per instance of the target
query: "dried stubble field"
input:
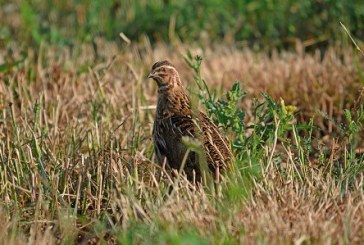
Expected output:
(77, 160)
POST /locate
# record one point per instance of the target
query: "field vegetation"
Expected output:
(76, 115)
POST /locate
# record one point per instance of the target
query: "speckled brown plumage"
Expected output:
(175, 119)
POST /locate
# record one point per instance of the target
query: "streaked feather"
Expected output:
(174, 119)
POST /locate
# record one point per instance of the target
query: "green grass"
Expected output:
(77, 159)
(262, 24)
(76, 114)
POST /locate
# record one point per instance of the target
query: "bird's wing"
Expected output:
(217, 146)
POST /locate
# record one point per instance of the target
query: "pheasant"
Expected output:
(175, 119)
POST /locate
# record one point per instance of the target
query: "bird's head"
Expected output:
(165, 74)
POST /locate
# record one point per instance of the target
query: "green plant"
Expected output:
(267, 24)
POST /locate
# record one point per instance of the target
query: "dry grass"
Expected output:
(77, 156)
(309, 81)
(285, 210)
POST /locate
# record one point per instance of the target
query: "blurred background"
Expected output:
(259, 24)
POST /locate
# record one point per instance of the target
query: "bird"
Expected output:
(175, 119)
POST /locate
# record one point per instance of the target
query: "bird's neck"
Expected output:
(173, 101)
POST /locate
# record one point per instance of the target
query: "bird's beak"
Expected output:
(151, 75)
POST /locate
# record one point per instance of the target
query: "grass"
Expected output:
(77, 158)
(260, 24)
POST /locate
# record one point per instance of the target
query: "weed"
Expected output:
(77, 163)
